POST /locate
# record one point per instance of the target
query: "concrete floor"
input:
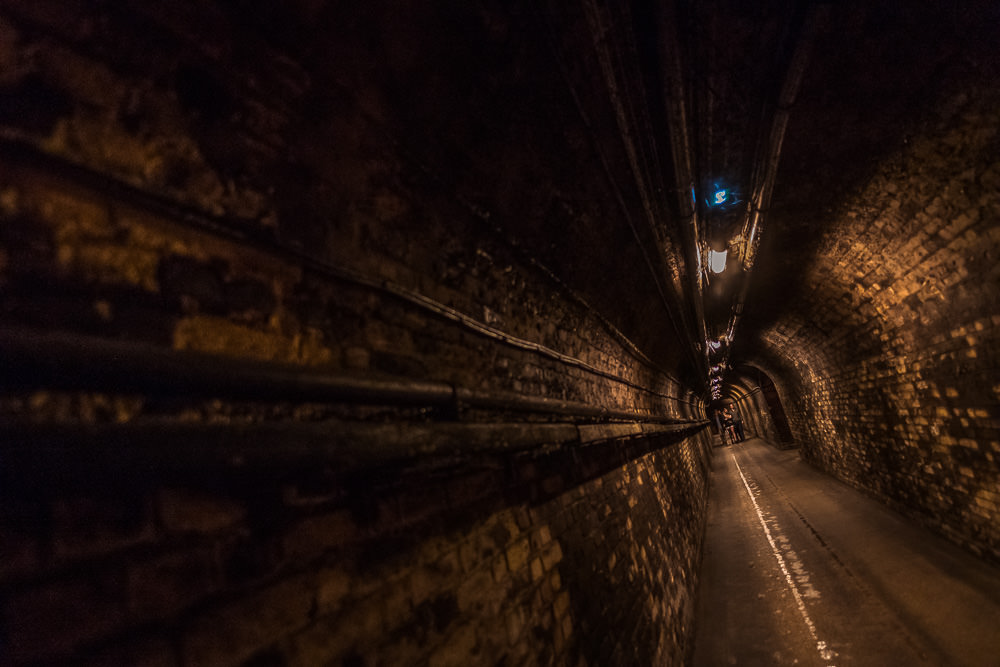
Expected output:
(800, 569)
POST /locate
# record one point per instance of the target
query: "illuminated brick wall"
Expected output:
(888, 364)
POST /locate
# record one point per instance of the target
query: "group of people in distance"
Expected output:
(732, 424)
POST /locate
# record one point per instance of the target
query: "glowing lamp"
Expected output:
(717, 261)
(720, 196)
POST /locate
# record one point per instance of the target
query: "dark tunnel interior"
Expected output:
(395, 332)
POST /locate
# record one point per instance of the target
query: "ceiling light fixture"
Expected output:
(717, 261)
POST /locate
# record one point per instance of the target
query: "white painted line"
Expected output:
(824, 652)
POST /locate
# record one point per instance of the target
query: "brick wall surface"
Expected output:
(452, 570)
(342, 158)
(177, 179)
(888, 361)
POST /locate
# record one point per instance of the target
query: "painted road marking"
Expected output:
(825, 652)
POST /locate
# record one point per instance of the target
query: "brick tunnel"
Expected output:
(399, 333)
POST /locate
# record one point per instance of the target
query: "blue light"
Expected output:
(723, 197)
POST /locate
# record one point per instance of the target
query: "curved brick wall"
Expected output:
(887, 359)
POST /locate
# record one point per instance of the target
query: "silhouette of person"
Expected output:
(738, 426)
(727, 423)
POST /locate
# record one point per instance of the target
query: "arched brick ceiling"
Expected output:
(883, 189)
(887, 90)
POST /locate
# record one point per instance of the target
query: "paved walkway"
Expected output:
(800, 569)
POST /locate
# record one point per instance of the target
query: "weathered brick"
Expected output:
(537, 571)
(517, 555)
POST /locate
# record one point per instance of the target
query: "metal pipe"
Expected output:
(613, 184)
(37, 359)
(680, 144)
(761, 198)
(157, 449)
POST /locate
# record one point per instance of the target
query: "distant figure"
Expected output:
(738, 426)
(718, 423)
(727, 425)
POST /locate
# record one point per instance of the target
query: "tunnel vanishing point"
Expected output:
(393, 333)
